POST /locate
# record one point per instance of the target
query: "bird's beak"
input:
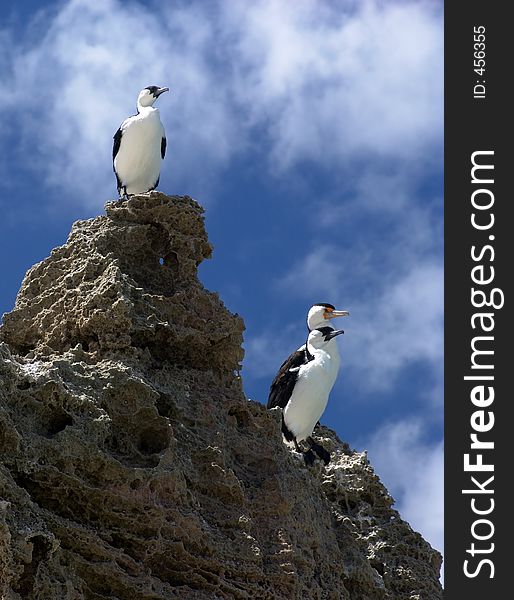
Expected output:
(333, 334)
(161, 91)
(337, 313)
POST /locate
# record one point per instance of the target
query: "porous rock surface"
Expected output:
(133, 467)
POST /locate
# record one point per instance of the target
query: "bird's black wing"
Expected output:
(163, 147)
(282, 386)
(116, 145)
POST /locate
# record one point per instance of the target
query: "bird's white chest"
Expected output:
(310, 395)
(143, 128)
(138, 161)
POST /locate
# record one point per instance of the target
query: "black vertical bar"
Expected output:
(477, 120)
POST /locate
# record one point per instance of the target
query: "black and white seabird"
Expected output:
(315, 380)
(139, 146)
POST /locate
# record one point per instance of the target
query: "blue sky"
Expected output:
(312, 132)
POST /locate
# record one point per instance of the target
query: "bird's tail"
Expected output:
(287, 434)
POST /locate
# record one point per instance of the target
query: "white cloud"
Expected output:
(413, 471)
(404, 324)
(324, 81)
(339, 81)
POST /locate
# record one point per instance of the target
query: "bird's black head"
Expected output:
(329, 333)
(148, 95)
(320, 314)
(156, 91)
(320, 337)
(325, 304)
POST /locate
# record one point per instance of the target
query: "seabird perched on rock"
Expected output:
(303, 391)
(296, 368)
(139, 146)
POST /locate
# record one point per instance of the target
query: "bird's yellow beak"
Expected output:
(332, 314)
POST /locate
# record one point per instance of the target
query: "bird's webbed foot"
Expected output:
(309, 457)
(319, 450)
